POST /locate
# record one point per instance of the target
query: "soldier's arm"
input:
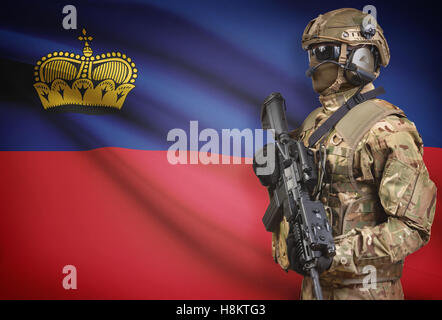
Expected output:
(392, 157)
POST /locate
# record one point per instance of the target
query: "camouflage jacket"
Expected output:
(382, 209)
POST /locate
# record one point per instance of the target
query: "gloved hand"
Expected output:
(323, 263)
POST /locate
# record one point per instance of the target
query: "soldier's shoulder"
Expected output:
(309, 122)
(396, 122)
(393, 122)
(306, 125)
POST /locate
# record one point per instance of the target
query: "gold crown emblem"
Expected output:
(68, 79)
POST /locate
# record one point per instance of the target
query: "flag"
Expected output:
(91, 185)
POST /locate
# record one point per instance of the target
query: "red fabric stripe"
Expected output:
(137, 227)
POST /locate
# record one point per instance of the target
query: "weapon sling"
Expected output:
(356, 99)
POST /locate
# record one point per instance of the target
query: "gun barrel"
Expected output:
(316, 284)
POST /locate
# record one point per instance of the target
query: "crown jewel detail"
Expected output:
(66, 79)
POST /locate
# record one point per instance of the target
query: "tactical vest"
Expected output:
(350, 194)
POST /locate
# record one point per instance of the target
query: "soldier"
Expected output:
(374, 184)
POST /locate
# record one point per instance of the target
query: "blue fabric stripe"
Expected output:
(209, 61)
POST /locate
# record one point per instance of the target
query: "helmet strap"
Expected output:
(340, 79)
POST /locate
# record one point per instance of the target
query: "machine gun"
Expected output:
(290, 185)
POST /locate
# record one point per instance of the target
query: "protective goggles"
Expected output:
(325, 52)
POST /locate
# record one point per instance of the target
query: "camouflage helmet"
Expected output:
(345, 26)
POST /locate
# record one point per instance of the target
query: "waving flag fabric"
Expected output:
(97, 191)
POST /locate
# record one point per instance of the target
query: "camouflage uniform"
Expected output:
(381, 207)
(382, 217)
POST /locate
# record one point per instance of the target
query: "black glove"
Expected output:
(323, 263)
